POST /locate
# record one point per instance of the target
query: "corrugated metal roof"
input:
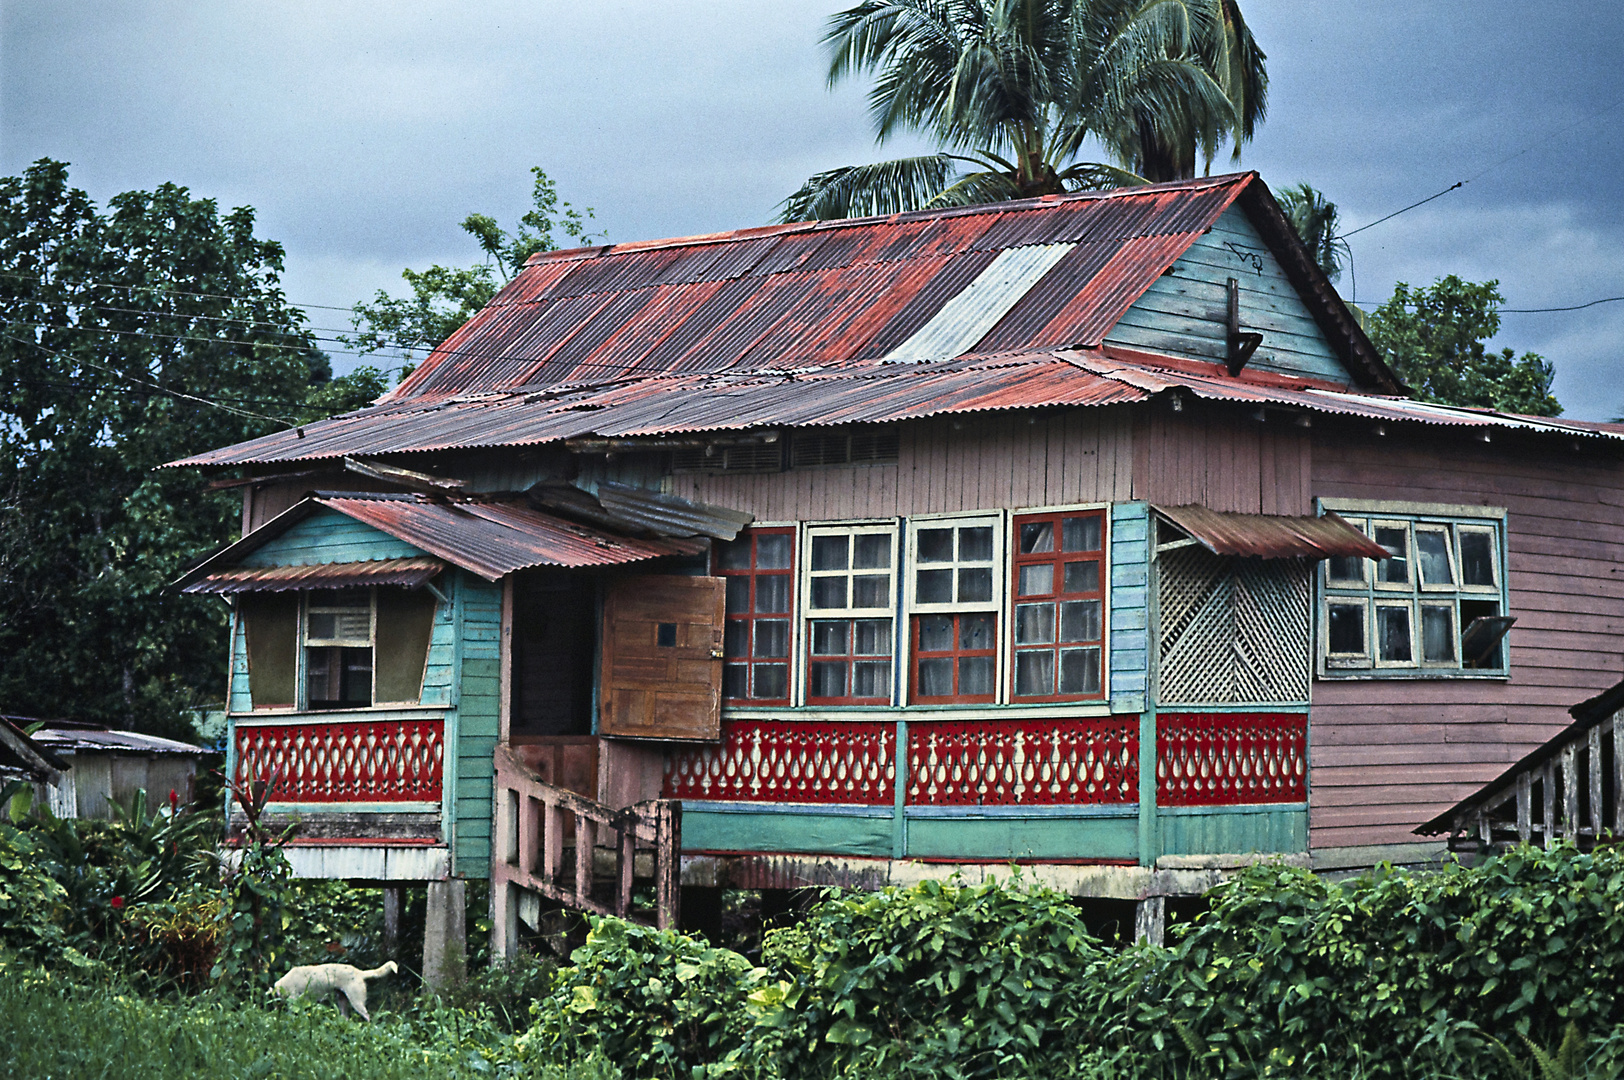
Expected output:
(408, 572)
(87, 739)
(1271, 536)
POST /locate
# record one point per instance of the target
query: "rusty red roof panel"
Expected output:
(240, 579)
(1271, 536)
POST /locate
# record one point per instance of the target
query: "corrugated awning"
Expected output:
(408, 572)
(1271, 536)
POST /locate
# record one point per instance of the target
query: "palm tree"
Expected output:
(1011, 89)
(1315, 219)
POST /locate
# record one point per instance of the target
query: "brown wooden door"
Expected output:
(662, 658)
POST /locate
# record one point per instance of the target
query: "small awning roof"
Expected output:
(1271, 536)
(411, 573)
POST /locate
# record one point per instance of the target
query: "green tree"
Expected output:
(1315, 219)
(443, 298)
(132, 337)
(1434, 338)
(1012, 89)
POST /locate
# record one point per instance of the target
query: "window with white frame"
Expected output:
(1435, 605)
(954, 593)
(850, 583)
(338, 649)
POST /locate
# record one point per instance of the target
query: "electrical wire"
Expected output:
(1575, 307)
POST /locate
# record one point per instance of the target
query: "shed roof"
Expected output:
(95, 739)
(1271, 536)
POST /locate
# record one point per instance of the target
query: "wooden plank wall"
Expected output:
(478, 719)
(328, 537)
(1389, 755)
(1221, 458)
(1129, 641)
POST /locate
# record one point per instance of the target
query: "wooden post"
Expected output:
(1547, 790)
(552, 841)
(628, 869)
(1150, 919)
(585, 836)
(1595, 819)
(391, 921)
(1618, 778)
(668, 865)
(445, 934)
(1570, 791)
(1525, 808)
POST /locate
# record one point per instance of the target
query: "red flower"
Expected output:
(117, 902)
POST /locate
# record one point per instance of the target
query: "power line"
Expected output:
(169, 291)
(1575, 307)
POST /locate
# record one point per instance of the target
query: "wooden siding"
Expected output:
(1390, 754)
(978, 463)
(1185, 313)
(1223, 459)
(1232, 830)
(327, 536)
(238, 698)
(1129, 639)
(478, 718)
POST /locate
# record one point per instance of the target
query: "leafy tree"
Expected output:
(130, 338)
(1012, 89)
(443, 298)
(1434, 338)
(1315, 219)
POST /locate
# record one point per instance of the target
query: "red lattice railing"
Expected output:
(1026, 762)
(366, 761)
(1224, 759)
(851, 762)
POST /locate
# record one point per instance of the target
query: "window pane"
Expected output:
(828, 679)
(357, 682)
(871, 679)
(1393, 633)
(1437, 634)
(975, 544)
(323, 626)
(772, 681)
(871, 590)
(1080, 620)
(1034, 624)
(1034, 673)
(772, 553)
(975, 585)
(1082, 577)
(935, 633)
(934, 586)
(772, 638)
(1396, 567)
(1080, 534)
(735, 554)
(936, 678)
(975, 676)
(830, 637)
(828, 592)
(935, 545)
(1347, 629)
(873, 550)
(738, 595)
(1347, 568)
(1037, 580)
(1079, 671)
(733, 680)
(829, 552)
(976, 632)
(1476, 558)
(772, 594)
(1037, 536)
(1432, 557)
(736, 638)
(873, 637)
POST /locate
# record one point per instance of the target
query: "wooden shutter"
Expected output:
(405, 625)
(271, 623)
(662, 658)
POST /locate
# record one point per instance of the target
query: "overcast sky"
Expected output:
(363, 133)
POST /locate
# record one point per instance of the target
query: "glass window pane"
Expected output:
(1347, 628)
(871, 679)
(1476, 558)
(772, 594)
(975, 585)
(357, 681)
(828, 679)
(975, 676)
(734, 554)
(734, 680)
(1037, 580)
(1080, 533)
(935, 545)
(1393, 634)
(934, 586)
(323, 626)
(977, 632)
(1432, 557)
(1437, 634)
(829, 552)
(1349, 569)
(828, 592)
(873, 551)
(936, 678)
(1034, 673)
(830, 637)
(772, 637)
(738, 595)
(1034, 624)
(1082, 577)
(935, 633)
(1396, 567)
(1080, 620)
(871, 591)
(975, 543)
(873, 637)
(772, 553)
(1037, 536)
(772, 681)
(1080, 671)
(736, 638)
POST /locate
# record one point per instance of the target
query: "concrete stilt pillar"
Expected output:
(391, 921)
(1150, 919)
(445, 934)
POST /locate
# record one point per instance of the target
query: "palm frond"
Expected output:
(886, 187)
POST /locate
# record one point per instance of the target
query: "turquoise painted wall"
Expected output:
(327, 536)
(1184, 312)
(1129, 606)
(477, 715)
(1233, 830)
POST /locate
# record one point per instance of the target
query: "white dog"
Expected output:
(322, 979)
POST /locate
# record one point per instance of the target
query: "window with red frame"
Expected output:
(759, 569)
(1058, 605)
(955, 657)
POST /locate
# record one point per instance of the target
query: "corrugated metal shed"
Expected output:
(92, 738)
(1271, 536)
(408, 572)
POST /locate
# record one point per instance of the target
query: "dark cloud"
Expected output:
(363, 133)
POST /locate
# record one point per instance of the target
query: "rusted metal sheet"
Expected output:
(408, 572)
(1271, 536)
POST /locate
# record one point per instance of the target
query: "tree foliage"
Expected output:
(1314, 217)
(1433, 337)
